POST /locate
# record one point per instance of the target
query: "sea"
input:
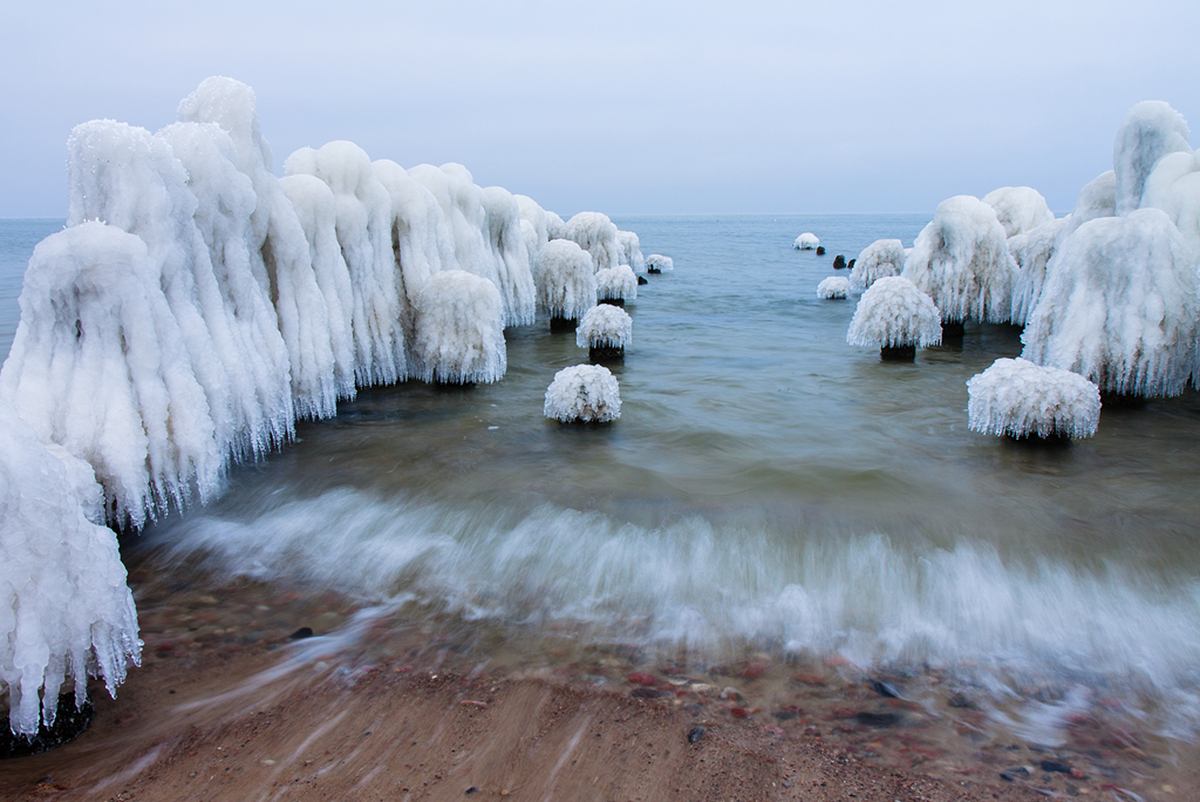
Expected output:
(767, 489)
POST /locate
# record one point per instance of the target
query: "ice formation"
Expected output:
(460, 330)
(1032, 251)
(616, 284)
(834, 287)
(193, 308)
(1174, 187)
(597, 235)
(1151, 130)
(65, 609)
(605, 326)
(961, 260)
(631, 250)
(275, 247)
(1019, 209)
(364, 229)
(807, 241)
(657, 263)
(883, 257)
(894, 313)
(1015, 397)
(565, 279)
(1119, 306)
(583, 394)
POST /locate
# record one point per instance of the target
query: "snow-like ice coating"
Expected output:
(1015, 397)
(597, 235)
(807, 241)
(883, 257)
(657, 263)
(565, 279)
(364, 232)
(1151, 130)
(583, 394)
(193, 308)
(616, 283)
(1174, 187)
(1119, 306)
(604, 326)
(65, 609)
(833, 287)
(631, 250)
(459, 333)
(961, 260)
(1032, 251)
(893, 313)
(1019, 209)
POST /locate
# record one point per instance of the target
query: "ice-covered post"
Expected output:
(883, 257)
(895, 317)
(834, 288)
(605, 331)
(616, 285)
(583, 394)
(460, 330)
(1017, 398)
(657, 263)
(566, 283)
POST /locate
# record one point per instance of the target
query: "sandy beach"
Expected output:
(230, 705)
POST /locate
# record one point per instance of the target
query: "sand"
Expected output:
(227, 707)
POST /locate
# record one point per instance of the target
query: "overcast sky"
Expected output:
(625, 107)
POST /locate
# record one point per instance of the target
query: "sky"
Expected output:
(628, 108)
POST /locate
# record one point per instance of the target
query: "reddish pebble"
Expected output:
(754, 671)
(740, 712)
(638, 678)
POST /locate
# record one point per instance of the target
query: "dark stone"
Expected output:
(642, 280)
(1055, 765)
(961, 701)
(652, 269)
(839, 262)
(612, 301)
(301, 633)
(562, 324)
(884, 689)
(877, 719)
(647, 693)
(820, 250)
(1014, 773)
(784, 715)
(850, 264)
(69, 722)
(472, 790)
(898, 353)
(604, 353)
(695, 734)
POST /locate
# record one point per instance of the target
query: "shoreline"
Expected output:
(228, 706)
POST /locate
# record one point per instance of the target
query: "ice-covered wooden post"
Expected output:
(895, 317)
(583, 394)
(1017, 398)
(459, 335)
(566, 283)
(605, 331)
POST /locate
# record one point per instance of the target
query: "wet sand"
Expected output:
(228, 707)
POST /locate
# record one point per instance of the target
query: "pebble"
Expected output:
(877, 719)
(695, 734)
(301, 633)
(647, 693)
(639, 678)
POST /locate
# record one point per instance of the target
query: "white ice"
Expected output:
(459, 334)
(893, 312)
(1019, 209)
(1032, 251)
(597, 235)
(961, 260)
(1119, 306)
(657, 263)
(565, 279)
(1018, 398)
(604, 326)
(807, 241)
(1151, 130)
(65, 609)
(833, 287)
(618, 282)
(583, 394)
(883, 257)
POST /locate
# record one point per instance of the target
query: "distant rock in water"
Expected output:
(820, 250)
(839, 262)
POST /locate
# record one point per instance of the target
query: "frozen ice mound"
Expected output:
(657, 263)
(565, 279)
(1119, 306)
(460, 330)
(616, 283)
(807, 241)
(833, 287)
(66, 612)
(1015, 397)
(1019, 209)
(597, 235)
(883, 257)
(583, 394)
(961, 260)
(892, 312)
(1150, 131)
(604, 326)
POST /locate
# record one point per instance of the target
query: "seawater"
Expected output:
(767, 486)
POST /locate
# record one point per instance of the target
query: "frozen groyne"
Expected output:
(194, 307)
